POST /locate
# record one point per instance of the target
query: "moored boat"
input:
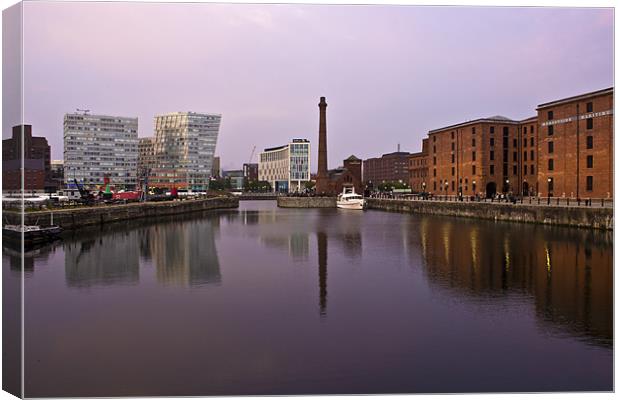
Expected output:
(350, 200)
(32, 234)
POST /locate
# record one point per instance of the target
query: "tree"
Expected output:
(309, 185)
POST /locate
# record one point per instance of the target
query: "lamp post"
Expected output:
(549, 190)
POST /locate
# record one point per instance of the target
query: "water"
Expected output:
(263, 300)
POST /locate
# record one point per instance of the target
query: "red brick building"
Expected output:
(36, 158)
(575, 146)
(475, 157)
(566, 150)
(391, 167)
(418, 169)
(349, 175)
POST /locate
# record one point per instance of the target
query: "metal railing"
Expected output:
(527, 200)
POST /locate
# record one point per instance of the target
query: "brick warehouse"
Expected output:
(576, 146)
(418, 168)
(391, 167)
(497, 154)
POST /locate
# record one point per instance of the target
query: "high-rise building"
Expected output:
(96, 146)
(184, 148)
(35, 156)
(286, 167)
(146, 155)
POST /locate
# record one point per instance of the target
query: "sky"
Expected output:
(389, 73)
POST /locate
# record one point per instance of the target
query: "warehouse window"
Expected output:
(589, 142)
(589, 107)
(550, 164)
(491, 169)
(589, 123)
(473, 156)
(590, 161)
(549, 115)
(492, 155)
(492, 141)
(550, 147)
(549, 130)
(589, 183)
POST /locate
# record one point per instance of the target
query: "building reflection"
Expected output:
(184, 253)
(105, 260)
(567, 272)
(182, 250)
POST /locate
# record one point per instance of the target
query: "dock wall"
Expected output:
(75, 218)
(306, 202)
(580, 217)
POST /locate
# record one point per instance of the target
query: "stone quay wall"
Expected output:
(579, 217)
(306, 202)
(75, 218)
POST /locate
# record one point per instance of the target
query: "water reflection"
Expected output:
(321, 241)
(567, 272)
(182, 251)
(183, 254)
(106, 260)
(31, 256)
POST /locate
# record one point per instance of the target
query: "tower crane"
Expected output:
(252, 154)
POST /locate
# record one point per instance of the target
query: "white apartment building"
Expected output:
(184, 146)
(100, 145)
(286, 167)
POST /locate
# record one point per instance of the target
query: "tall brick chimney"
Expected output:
(322, 180)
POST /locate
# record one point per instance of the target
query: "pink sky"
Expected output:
(390, 73)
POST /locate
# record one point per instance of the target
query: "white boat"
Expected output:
(350, 200)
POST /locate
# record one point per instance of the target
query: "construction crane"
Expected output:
(252, 155)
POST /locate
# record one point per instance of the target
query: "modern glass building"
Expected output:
(286, 167)
(184, 147)
(100, 145)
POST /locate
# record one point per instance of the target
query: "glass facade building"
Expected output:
(286, 167)
(184, 147)
(96, 146)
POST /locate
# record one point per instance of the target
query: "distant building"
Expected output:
(35, 156)
(287, 167)
(391, 167)
(236, 178)
(216, 171)
(57, 173)
(250, 172)
(418, 169)
(184, 147)
(349, 175)
(100, 145)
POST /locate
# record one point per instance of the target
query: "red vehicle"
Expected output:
(127, 196)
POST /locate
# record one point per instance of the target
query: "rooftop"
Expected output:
(576, 98)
